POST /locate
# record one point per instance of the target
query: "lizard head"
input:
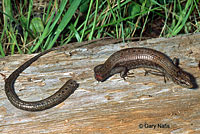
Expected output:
(183, 79)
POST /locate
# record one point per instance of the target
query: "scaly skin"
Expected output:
(63, 93)
(131, 58)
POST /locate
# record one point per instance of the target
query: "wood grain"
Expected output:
(141, 104)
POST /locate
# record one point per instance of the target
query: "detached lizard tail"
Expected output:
(62, 94)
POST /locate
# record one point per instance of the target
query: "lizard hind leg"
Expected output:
(124, 73)
(122, 70)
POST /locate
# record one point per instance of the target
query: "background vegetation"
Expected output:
(28, 26)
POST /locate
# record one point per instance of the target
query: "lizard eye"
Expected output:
(182, 82)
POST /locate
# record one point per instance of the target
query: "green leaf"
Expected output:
(65, 20)
(134, 9)
(37, 25)
(84, 6)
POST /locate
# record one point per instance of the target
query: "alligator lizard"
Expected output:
(131, 58)
(63, 93)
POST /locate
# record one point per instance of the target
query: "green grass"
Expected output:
(77, 20)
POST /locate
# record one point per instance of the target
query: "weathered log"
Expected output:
(114, 106)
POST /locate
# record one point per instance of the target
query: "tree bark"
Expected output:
(140, 104)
